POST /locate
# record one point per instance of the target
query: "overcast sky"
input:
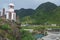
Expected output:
(25, 3)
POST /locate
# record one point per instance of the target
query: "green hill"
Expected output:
(56, 16)
(48, 6)
(45, 13)
(24, 12)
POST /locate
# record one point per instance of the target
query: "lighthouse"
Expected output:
(11, 15)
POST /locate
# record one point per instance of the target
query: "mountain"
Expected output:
(48, 6)
(24, 12)
(44, 12)
(56, 16)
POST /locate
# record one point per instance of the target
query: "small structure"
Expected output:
(10, 14)
(53, 24)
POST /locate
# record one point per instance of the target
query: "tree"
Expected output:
(5, 27)
(26, 35)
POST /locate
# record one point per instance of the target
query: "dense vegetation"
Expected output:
(10, 30)
(26, 35)
(24, 12)
(45, 13)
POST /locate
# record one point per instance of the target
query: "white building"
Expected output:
(10, 14)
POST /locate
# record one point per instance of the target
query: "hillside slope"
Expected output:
(9, 30)
(45, 13)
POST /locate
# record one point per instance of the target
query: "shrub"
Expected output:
(26, 35)
(5, 27)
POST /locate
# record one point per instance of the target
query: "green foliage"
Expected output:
(27, 20)
(56, 16)
(24, 12)
(26, 35)
(44, 13)
(0, 19)
(39, 28)
(48, 6)
(5, 27)
(11, 37)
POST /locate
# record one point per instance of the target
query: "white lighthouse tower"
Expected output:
(11, 15)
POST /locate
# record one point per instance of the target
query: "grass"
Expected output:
(33, 27)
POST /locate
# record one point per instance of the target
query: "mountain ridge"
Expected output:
(44, 13)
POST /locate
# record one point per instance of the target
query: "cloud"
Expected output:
(26, 3)
(32, 3)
